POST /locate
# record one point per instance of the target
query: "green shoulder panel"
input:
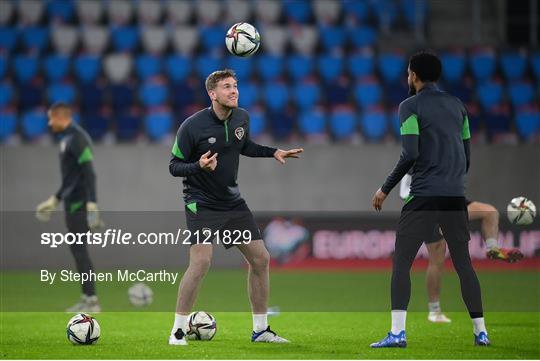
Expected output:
(86, 156)
(410, 126)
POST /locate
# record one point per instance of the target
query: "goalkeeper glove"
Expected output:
(45, 209)
(94, 219)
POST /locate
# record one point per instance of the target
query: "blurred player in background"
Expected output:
(78, 192)
(435, 144)
(206, 153)
(489, 216)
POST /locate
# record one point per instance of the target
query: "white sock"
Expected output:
(434, 306)
(491, 243)
(478, 325)
(180, 321)
(398, 321)
(260, 322)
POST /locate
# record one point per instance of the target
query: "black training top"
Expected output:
(435, 143)
(202, 132)
(78, 176)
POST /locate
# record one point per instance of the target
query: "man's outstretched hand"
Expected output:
(378, 199)
(208, 163)
(281, 154)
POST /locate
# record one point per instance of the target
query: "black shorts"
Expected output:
(229, 228)
(422, 217)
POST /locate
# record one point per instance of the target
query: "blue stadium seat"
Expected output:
(489, 94)
(332, 36)
(306, 94)
(56, 67)
(535, 64)
(35, 37)
(153, 93)
(411, 13)
(312, 122)
(276, 95)
(183, 94)
(270, 67)
(330, 67)
(33, 95)
(392, 67)
(8, 124)
(96, 124)
(92, 96)
(361, 65)
(26, 67)
(356, 8)
(297, 10)
(257, 123)
(520, 93)
(213, 37)
(248, 94)
(178, 67)
(342, 124)
(513, 65)
(374, 125)
(87, 67)
(34, 123)
(497, 121)
(6, 94)
(393, 117)
(147, 66)
(528, 123)
(158, 124)
(207, 64)
(128, 125)
(125, 38)
(482, 65)
(243, 67)
(8, 38)
(362, 36)
(3, 65)
(61, 92)
(60, 9)
(385, 11)
(453, 67)
(395, 92)
(122, 96)
(367, 93)
(337, 92)
(463, 90)
(281, 124)
(299, 66)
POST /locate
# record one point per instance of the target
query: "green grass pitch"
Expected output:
(326, 315)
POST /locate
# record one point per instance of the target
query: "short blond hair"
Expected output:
(215, 77)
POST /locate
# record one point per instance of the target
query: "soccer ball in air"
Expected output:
(140, 295)
(243, 39)
(201, 326)
(83, 329)
(521, 211)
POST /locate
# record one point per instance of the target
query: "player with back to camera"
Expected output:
(206, 153)
(435, 144)
(78, 191)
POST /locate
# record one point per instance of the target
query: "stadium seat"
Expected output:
(327, 11)
(357, 8)
(61, 92)
(275, 38)
(212, 37)
(8, 9)
(520, 93)
(374, 125)
(312, 122)
(206, 64)
(33, 94)
(392, 67)
(528, 123)
(122, 96)
(92, 96)
(453, 66)
(342, 124)
(462, 89)
(35, 37)
(482, 65)
(154, 39)
(183, 94)
(243, 67)
(497, 120)
(147, 66)
(248, 94)
(368, 93)
(414, 11)
(87, 67)
(56, 67)
(535, 64)
(95, 38)
(338, 91)
(297, 10)
(158, 124)
(270, 67)
(118, 67)
(178, 67)
(96, 124)
(208, 11)
(281, 123)
(489, 94)
(361, 65)
(125, 38)
(60, 10)
(6, 94)
(395, 92)
(332, 37)
(3, 65)
(153, 93)
(34, 123)
(513, 65)
(8, 124)
(149, 11)
(306, 94)
(238, 10)
(276, 95)
(8, 38)
(178, 12)
(89, 11)
(257, 123)
(395, 124)
(304, 39)
(330, 67)
(362, 36)
(64, 38)
(268, 11)
(120, 11)
(185, 39)
(386, 13)
(26, 67)
(30, 11)
(299, 66)
(128, 125)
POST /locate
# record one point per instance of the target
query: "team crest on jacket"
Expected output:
(239, 132)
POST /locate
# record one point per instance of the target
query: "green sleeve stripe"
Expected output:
(176, 151)
(192, 207)
(410, 126)
(86, 156)
(466, 133)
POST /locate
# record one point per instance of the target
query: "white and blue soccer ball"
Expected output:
(201, 326)
(140, 295)
(243, 39)
(83, 329)
(521, 211)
